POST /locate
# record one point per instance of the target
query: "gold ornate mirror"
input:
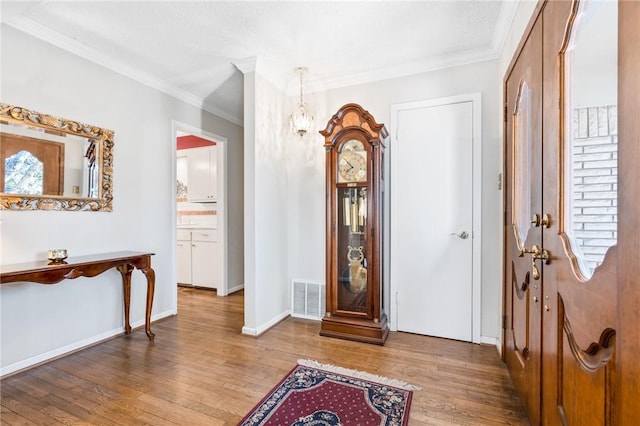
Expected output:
(51, 163)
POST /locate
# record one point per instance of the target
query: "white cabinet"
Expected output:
(183, 257)
(197, 257)
(202, 174)
(204, 259)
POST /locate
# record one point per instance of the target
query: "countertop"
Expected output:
(197, 226)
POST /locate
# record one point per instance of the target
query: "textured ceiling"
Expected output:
(188, 48)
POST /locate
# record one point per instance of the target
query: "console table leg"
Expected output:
(125, 271)
(151, 285)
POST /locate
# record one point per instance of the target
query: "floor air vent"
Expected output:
(307, 299)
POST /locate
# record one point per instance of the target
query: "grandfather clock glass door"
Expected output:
(352, 250)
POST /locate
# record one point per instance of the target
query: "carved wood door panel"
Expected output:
(523, 204)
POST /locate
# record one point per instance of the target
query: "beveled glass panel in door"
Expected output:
(522, 166)
(591, 134)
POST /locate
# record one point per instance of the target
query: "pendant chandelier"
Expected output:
(301, 120)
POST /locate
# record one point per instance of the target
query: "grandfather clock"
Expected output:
(355, 146)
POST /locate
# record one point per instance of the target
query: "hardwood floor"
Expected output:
(201, 371)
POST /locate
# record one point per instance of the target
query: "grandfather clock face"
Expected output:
(352, 162)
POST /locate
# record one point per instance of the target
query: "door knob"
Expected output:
(463, 234)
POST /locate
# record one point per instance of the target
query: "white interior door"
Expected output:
(432, 211)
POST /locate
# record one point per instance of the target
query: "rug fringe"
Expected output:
(359, 374)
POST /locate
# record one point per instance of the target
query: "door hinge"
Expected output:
(504, 322)
(504, 218)
(505, 114)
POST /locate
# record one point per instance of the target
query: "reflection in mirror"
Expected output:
(23, 174)
(49, 163)
(522, 164)
(590, 132)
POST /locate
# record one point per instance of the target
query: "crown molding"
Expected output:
(400, 70)
(503, 24)
(279, 76)
(44, 33)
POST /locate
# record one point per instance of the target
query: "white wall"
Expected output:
(266, 188)
(40, 321)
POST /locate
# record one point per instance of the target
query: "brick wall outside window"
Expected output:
(594, 172)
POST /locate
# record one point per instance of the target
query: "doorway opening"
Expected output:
(199, 209)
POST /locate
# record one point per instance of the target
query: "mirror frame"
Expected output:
(20, 116)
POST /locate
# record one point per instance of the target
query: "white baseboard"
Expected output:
(264, 327)
(76, 346)
(236, 288)
(492, 341)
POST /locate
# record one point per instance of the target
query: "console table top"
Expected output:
(46, 265)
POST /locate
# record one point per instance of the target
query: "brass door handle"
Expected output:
(537, 253)
(542, 254)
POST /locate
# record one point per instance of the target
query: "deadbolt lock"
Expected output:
(545, 221)
(536, 220)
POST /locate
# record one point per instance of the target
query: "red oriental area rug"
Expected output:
(320, 394)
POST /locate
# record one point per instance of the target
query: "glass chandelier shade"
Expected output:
(301, 121)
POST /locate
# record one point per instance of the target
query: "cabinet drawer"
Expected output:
(184, 235)
(208, 235)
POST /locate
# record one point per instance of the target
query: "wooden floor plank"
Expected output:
(201, 370)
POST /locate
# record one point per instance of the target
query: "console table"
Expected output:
(45, 272)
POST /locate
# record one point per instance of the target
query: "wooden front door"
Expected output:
(580, 198)
(49, 154)
(561, 269)
(523, 202)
